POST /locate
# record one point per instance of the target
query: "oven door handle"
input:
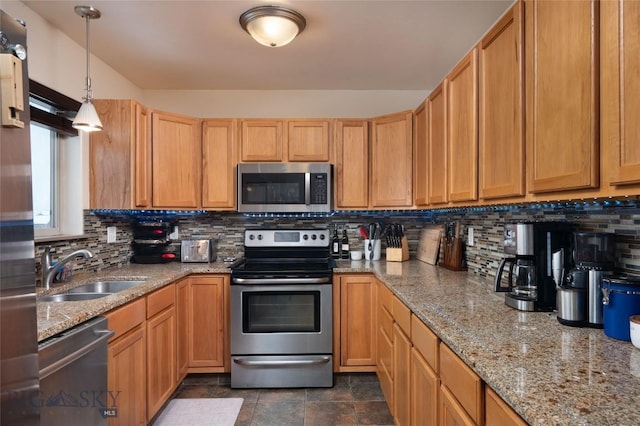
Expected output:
(282, 363)
(322, 280)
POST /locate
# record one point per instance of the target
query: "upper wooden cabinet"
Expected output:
(620, 59)
(261, 140)
(420, 156)
(265, 140)
(308, 140)
(120, 156)
(176, 148)
(501, 113)
(219, 160)
(562, 98)
(437, 143)
(351, 168)
(462, 134)
(391, 160)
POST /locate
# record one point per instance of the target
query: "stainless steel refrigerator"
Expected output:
(18, 319)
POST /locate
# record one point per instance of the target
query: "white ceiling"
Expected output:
(347, 45)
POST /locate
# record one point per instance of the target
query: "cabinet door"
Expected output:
(219, 160)
(352, 164)
(182, 327)
(161, 359)
(424, 391)
(498, 413)
(110, 164)
(437, 157)
(358, 322)
(401, 377)
(462, 134)
(142, 186)
(385, 344)
(261, 140)
(421, 156)
(308, 140)
(206, 321)
(620, 59)
(562, 82)
(501, 115)
(391, 160)
(177, 154)
(451, 412)
(127, 375)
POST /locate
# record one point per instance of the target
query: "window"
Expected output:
(56, 163)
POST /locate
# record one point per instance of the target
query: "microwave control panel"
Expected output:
(319, 188)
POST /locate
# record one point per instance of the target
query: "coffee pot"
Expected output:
(535, 255)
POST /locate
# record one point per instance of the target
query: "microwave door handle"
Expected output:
(307, 188)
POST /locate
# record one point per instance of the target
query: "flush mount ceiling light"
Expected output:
(87, 118)
(272, 26)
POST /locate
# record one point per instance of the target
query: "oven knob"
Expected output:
(252, 237)
(260, 237)
(313, 236)
(322, 236)
(305, 237)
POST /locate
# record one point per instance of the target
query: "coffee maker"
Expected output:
(534, 252)
(579, 298)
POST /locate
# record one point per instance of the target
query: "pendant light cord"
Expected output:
(89, 96)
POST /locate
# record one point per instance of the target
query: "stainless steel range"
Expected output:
(281, 310)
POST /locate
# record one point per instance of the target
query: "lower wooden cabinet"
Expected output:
(402, 376)
(462, 384)
(182, 324)
(207, 324)
(355, 322)
(498, 413)
(451, 412)
(126, 361)
(425, 386)
(161, 348)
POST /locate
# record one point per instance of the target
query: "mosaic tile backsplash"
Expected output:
(227, 229)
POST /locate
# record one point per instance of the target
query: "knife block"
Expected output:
(398, 254)
(453, 255)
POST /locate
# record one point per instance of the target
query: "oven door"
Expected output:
(290, 319)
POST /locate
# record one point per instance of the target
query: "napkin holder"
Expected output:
(398, 254)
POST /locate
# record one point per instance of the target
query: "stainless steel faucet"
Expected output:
(49, 270)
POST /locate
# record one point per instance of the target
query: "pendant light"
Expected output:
(87, 118)
(272, 26)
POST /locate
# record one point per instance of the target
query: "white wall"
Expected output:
(284, 103)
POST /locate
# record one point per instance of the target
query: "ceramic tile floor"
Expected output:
(355, 399)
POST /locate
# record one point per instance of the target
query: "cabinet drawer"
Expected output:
(402, 315)
(462, 382)
(385, 297)
(126, 317)
(385, 321)
(425, 341)
(498, 413)
(160, 300)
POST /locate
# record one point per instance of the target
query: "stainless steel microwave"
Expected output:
(285, 187)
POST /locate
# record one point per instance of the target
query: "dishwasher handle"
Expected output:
(101, 337)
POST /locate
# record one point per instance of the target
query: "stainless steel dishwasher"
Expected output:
(73, 376)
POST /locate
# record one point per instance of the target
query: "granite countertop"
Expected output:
(549, 373)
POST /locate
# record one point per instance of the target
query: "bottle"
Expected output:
(335, 244)
(345, 245)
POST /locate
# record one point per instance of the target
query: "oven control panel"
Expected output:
(286, 238)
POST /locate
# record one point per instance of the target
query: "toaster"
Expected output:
(198, 251)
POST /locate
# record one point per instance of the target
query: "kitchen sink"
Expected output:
(72, 297)
(105, 286)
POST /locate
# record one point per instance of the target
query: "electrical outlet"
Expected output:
(111, 234)
(174, 235)
(470, 237)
